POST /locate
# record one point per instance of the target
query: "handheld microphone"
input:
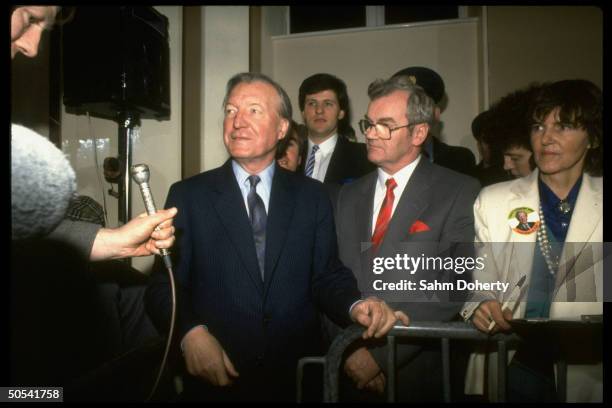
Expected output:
(141, 175)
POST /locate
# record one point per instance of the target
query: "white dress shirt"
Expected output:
(401, 178)
(322, 156)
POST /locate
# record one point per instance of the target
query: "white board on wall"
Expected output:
(359, 56)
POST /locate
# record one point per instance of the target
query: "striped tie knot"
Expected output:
(311, 161)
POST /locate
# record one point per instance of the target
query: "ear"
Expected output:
(419, 134)
(341, 114)
(437, 113)
(282, 128)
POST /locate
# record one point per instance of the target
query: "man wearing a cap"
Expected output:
(456, 158)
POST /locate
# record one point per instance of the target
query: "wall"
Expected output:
(225, 52)
(158, 143)
(361, 55)
(274, 23)
(208, 64)
(527, 44)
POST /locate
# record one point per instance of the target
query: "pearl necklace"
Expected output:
(552, 260)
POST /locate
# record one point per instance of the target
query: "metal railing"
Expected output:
(445, 331)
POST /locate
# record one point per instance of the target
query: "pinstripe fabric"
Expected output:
(311, 161)
(264, 326)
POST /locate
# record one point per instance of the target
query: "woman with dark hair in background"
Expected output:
(511, 118)
(289, 150)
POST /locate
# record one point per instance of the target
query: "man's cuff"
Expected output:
(351, 308)
(470, 307)
(190, 330)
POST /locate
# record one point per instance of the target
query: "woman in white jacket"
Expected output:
(560, 254)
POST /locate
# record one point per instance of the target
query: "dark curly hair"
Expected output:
(580, 104)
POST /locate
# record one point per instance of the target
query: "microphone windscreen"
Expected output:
(42, 184)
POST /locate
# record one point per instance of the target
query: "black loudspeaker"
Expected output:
(116, 61)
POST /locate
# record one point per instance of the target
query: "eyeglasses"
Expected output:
(382, 131)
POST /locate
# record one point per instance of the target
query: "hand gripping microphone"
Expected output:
(140, 174)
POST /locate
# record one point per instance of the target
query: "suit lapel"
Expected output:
(412, 203)
(280, 212)
(336, 161)
(586, 217)
(365, 206)
(521, 248)
(363, 211)
(229, 204)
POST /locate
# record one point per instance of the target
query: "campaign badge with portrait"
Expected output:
(524, 220)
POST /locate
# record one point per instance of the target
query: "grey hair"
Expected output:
(284, 110)
(420, 107)
(516, 215)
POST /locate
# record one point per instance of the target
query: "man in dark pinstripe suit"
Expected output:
(256, 261)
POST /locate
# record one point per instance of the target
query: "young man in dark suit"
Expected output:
(331, 157)
(255, 261)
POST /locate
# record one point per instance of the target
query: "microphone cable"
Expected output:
(141, 174)
(168, 265)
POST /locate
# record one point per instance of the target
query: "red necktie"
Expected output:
(384, 215)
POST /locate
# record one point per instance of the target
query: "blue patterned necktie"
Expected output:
(311, 161)
(258, 218)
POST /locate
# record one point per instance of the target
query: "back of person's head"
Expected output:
(478, 124)
(293, 135)
(326, 82)
(85, 208)
(580, 104)
(420, 107)
(510, 118)
(426, 78)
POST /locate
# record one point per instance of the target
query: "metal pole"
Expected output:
(302, 362)
(391, 369)
(562, 380)
(446, 369)
(127, 121)
(502, 358)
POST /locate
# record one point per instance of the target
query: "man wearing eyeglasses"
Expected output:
(408, 207)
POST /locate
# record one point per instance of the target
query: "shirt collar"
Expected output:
(242, 175)
(550, 200)
(326, 147)
(556, 220)
(401, 177)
